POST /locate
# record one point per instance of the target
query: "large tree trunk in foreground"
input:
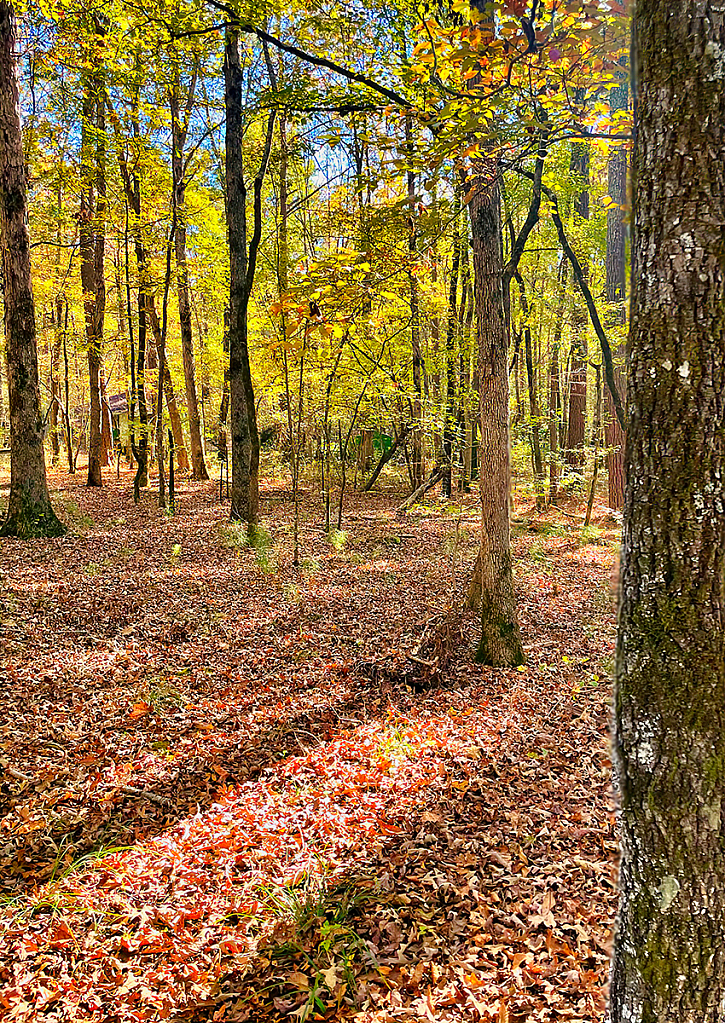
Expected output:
(500, 638)
(29, 511)
(615, 294)
(180, 129)
(669, 958)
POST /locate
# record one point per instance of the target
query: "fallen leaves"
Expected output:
(212, 812)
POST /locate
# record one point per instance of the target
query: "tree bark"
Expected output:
(418, 459)
(29, 513)
(449, 424)
(669, 955)
(55, 379)
(179, 131)
(92, 250)
(576, 435)
(180, 452)
(500, 638)
(615, 295)
(242, 266)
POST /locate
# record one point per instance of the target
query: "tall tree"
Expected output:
(180, 130)
(242, 267)
(449, 427)
(576, 421)
(92, 240)
(669, 958)
(30, 512)
(418, 460)
(615, 293)
(500, 638)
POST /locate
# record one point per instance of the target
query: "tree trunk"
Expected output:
(242, 265)
(449, 425)
(500, 638)
(555, 391)
(29, 513)
(418, 460)
(576, 435)
(180, 129)
(244, 436)
(92, 250)
(669, 955)
(615, 295)
(55, 379)
(180, 453)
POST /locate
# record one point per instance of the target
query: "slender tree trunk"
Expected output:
(141, 478)
(29, 513)
(180, 130)
(576, 435)
(92, 249)
(449, 426)
(418, 461)
(596, 439)
(66, 382)
(669, 954)
(615, 295)
(500, 638)
(224, 403)
(55, 379)
(534, 407)
(181, 455)
(555, 403)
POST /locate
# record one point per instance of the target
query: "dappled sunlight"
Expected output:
(256, 813)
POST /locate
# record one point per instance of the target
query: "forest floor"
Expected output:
(227, 792)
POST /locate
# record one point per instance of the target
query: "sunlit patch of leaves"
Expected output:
(592, 534)
(338, 539)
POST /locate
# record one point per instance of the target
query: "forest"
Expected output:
(362, 593)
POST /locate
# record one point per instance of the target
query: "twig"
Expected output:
(19, 775)
(421, 661)
(129, 790)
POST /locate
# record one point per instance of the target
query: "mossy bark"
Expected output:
(500, 637)
(669, 958)
(30, 513)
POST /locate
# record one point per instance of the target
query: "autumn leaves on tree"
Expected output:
(429, 229)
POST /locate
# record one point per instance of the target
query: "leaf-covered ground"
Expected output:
(228, 792)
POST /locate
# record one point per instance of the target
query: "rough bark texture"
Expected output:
(615, 295)
(180, 128)
(29, 511)
(500, 638)
(669, 959)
